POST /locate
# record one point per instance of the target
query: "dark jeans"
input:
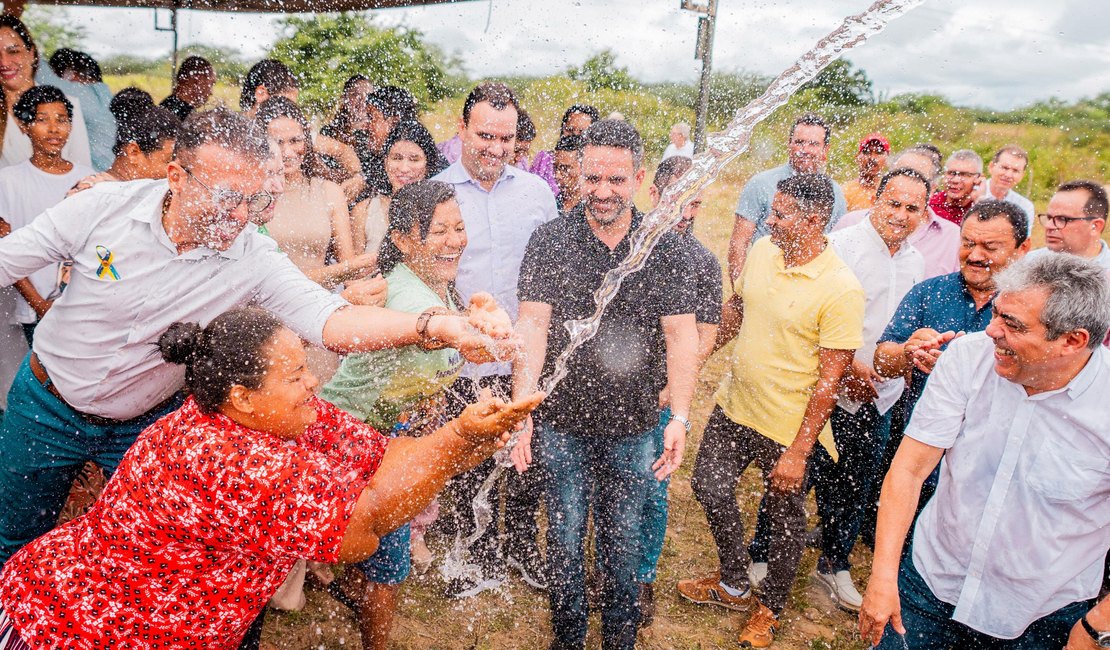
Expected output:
(610, 475)
(521, 492)
(843, 487)
(44, 443)
(727, 449)
(253, 638)
(929, 625)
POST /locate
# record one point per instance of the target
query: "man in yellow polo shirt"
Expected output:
(802, 321)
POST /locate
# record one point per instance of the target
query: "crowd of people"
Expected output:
(293, 351)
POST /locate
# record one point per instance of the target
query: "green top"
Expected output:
(378, 387)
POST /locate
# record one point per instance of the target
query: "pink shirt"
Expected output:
(937, 240)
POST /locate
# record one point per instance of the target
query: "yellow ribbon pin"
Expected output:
(107, 267)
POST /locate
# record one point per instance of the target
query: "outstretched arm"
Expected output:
(414, 470)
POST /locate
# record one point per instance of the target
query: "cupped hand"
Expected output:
(370, 291)
(674, 446)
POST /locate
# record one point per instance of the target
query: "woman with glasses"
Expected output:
(19, 60)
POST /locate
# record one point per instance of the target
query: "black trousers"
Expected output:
(521, 493)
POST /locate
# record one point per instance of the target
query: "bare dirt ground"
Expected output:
(518, 617)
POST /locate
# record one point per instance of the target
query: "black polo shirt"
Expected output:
(705, 272)
(613, 381)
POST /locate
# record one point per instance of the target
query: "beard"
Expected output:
(606, 211)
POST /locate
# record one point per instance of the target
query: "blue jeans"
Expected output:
(654, 526)
(610, 474)
(390, 564)
(43, 445)
(929, 625)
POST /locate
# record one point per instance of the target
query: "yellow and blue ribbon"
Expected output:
(107, 267)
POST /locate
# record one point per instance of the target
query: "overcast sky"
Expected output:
(995, 53)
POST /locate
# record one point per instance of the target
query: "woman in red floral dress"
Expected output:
(215, 502)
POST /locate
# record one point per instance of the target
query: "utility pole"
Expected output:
(707, 25)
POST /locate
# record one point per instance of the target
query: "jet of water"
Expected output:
(722, 148)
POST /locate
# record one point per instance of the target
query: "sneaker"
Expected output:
(468, 587)
(708, 591)
(757, 573)
(841, 589)
(759, 632)
(531, 567)
(647, 604)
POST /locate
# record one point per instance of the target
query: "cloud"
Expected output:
(996, 53)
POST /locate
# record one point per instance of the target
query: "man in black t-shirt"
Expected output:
(705, 277)
(594, 434)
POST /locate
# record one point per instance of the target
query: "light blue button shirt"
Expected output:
(755, 199)
(499, 224)
(1020, 201)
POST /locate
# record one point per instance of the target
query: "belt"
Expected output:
(40, 374)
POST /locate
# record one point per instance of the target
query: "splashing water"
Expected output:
(722, 148)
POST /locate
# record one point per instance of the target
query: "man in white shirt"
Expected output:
(1013, 543)
(680, 145)
(1007, 168)
(144, 258)
(1074, 222)
(887, 267)
(501, 206)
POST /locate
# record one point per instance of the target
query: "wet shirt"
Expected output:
(1020, 521)
(613, 381)
(941, 303)
(938, 241)
(755, 199)
(498, 225)
(129, 284)
(196, 530)
(377, 387)
(705, 272)
(790, 313)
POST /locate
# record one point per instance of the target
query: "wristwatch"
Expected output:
(681, 418)
(1102, 639)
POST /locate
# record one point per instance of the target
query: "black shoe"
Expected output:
(647, 604)
(531, 567)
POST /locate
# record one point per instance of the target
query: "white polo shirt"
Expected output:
(886, 279)
(1020, 521)
(98, 341)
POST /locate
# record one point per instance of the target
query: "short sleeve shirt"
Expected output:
(706, 271)
(377, 387)
(789, 314)
(129, 284)
(196, 530)
(613, 380)
(941, 303)
(755, 199)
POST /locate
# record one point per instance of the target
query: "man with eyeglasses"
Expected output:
(146, 254)
(963, 174)
(1075, 220)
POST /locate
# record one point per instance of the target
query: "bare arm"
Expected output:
(898, 502)
(681, 335)
(414, 470)
(789, 471)
(732, 317)
(364, 329)
(33, 297)
(532, 324)
(738, 245)
(350, 265)
(707, 340)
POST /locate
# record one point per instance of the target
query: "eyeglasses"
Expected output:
(1060, 222)
(955, 174)
(228, 200)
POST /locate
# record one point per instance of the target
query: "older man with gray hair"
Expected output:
(1009, 552)
(680, 145)
(963, 173)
